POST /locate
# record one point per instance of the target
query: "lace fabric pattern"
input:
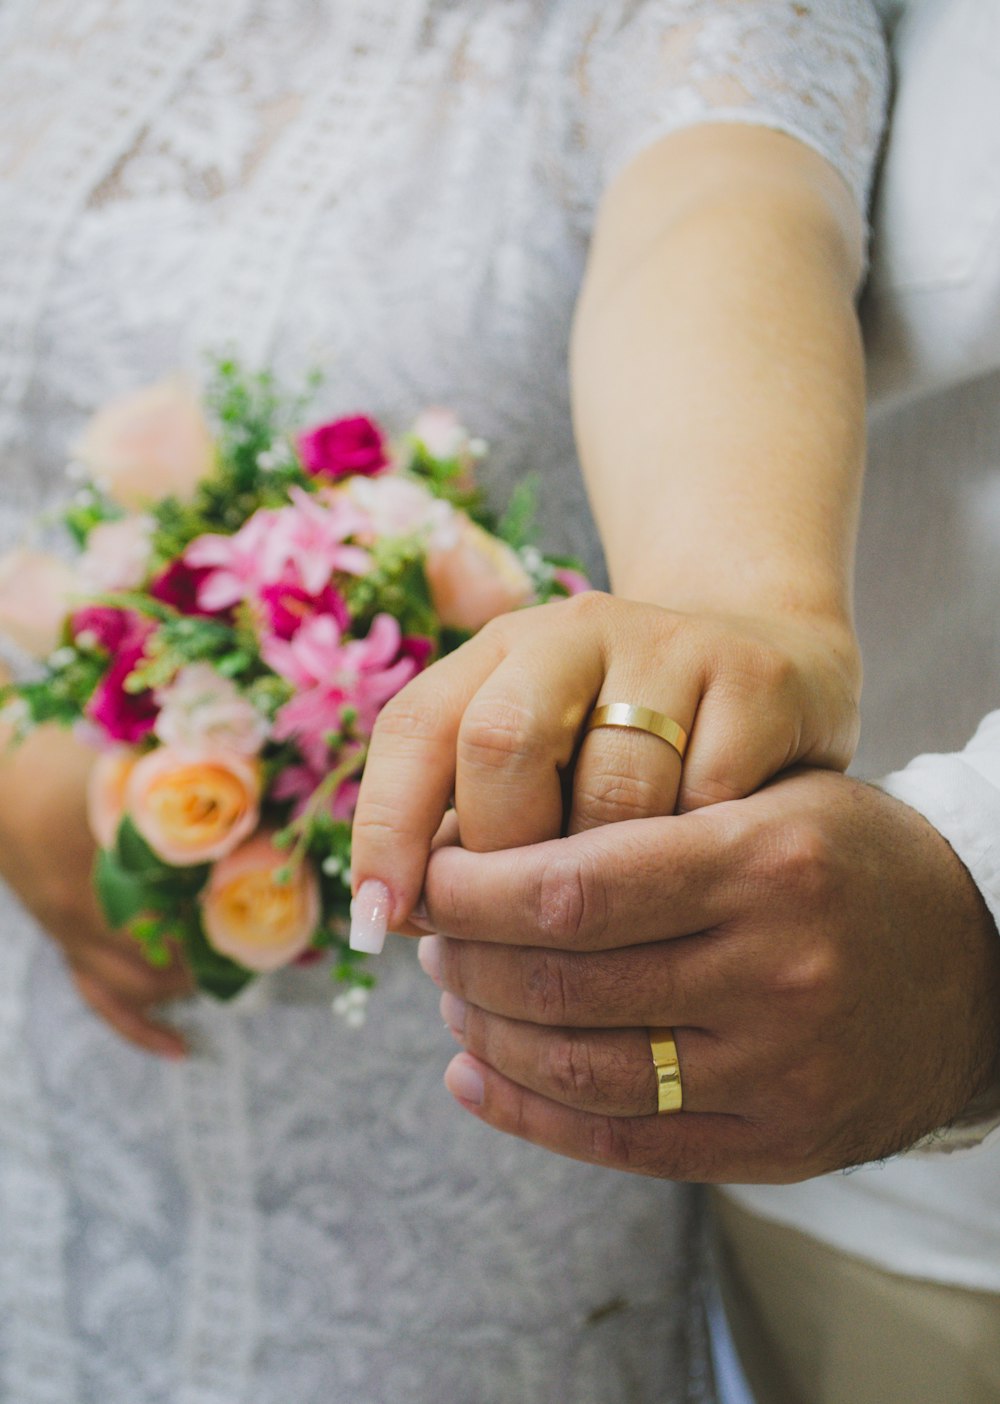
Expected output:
(398, 192)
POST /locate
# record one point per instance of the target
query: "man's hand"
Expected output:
(828, 966)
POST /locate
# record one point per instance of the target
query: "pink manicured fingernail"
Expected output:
(453, 1012)
(464, 1080)
(429, 955)
(370, 917)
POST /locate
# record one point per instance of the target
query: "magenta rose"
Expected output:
(178, 586)
(287, 606)
(107, 628)
(344, 447)
(124, 716)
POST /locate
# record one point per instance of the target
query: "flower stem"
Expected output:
(327, 787)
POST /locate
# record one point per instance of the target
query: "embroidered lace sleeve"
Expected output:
(816, 69)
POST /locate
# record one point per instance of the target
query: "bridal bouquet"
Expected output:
(246, 597)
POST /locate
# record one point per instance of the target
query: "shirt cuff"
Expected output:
(960, 795)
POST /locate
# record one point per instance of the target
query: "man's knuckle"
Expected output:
(572, 1071)
(572, 908)
(545, 988)
(798, 857)
(609, 1142)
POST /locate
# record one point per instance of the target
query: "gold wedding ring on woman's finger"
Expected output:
(669, 1093)
(640, 719)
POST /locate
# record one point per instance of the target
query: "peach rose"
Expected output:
(193, 809)
(35, 591)
(106, 786)
(250, 916)
(476, 579)
(149, 444)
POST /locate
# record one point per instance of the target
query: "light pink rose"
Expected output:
(202, 712)
(443, 434)
(150, 444)
(35, 590)
(193, 809)
(397, 506)
(251, 917)
(476, 579)
(117, 555)
(106, 786)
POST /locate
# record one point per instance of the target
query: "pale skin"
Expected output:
(829, 968)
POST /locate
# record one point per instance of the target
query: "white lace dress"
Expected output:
(398, 191)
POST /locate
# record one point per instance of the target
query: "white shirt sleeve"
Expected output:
(960, 795)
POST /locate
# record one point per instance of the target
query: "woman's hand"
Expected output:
(499, 727)
(830, 971)
(46, 855)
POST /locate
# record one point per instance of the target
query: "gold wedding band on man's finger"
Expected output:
(669, 1092)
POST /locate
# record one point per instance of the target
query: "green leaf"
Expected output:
(215, 973)
(122, 895)
(135, 856)
(516, 526)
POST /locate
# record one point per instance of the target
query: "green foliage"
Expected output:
(517, 525)
(63, 693)
(122, 895)
(214, 973)
(349, 968)
(446, 478)
(88, 508)
(396, 585)
(157, 904)
(255, 461)
(183, 639)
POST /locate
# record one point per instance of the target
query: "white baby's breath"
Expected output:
(352, 1006)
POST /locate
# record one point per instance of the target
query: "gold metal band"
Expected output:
(669, 1094)
(640, 719)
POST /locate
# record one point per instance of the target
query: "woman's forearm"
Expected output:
(717, 377)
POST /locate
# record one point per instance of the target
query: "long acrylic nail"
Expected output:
(370, 917)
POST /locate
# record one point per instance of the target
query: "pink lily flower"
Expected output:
(235, 562)
(310, 536)
(334, 677)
